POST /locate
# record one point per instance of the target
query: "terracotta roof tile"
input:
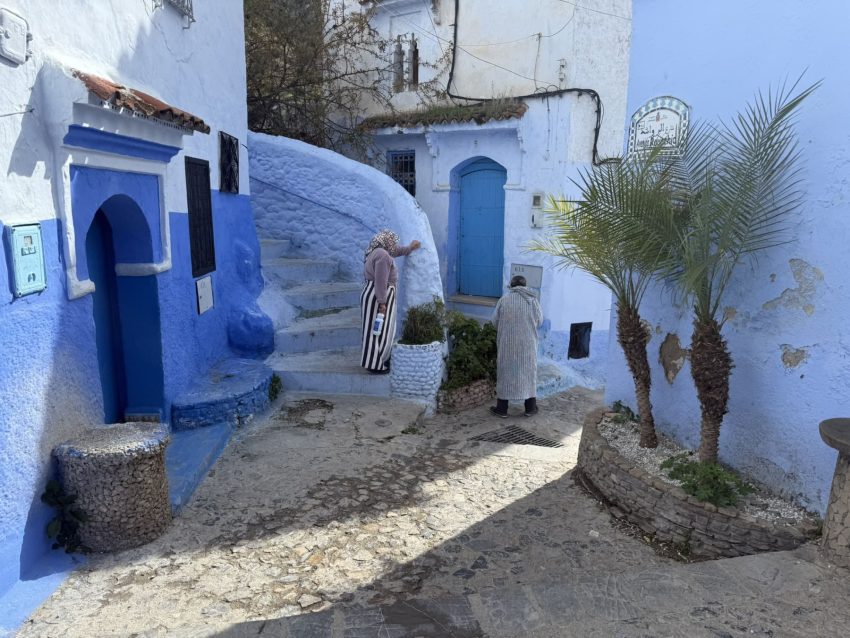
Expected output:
(139, 102)
(478, 113)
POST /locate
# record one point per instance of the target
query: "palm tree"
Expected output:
(737, 185)
(591, 235)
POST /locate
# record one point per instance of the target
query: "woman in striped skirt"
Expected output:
(379, 296)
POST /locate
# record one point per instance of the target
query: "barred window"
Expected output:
(402, 168)
(201, 241)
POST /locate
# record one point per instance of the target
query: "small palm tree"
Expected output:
(737, 185)
(592, 235)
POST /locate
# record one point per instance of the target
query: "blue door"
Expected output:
(100, 255)
(482, 229)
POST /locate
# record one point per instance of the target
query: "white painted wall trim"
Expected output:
(69, 156)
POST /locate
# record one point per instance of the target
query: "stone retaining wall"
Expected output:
(470, 396)
(667, 513)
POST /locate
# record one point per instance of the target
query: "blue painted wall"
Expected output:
(49, 377)
(795, 302)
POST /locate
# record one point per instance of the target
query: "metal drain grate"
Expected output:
(515, 435)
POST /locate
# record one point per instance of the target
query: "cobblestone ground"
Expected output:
(335, 513)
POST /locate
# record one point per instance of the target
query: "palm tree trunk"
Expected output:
(633, 339)
(711, 366)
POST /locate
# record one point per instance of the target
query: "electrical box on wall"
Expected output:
(14, 37)
(27, 259)
(537, 210)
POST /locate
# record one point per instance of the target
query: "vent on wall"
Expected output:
(579, 340)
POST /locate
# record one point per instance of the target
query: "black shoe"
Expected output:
(384, 371)
(532, 412)
(531, 406)
(498, 413)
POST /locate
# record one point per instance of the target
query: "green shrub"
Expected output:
(472, 351)
(706, 481)
(65, 526)
(424, 324)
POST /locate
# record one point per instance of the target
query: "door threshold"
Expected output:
(474, 300)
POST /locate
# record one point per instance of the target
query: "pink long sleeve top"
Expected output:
(380, 268)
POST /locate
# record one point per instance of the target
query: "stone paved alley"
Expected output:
(347, 516)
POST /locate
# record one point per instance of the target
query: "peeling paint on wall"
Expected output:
(792, 357)
(672, 356)
(807, 277)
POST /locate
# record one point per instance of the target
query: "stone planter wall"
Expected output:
(417, 371)
(118, 475)
(470, 396)
(667, 513)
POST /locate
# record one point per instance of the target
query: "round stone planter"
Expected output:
(668, 514)
(417, 371)
(469, 396)
(118, 475)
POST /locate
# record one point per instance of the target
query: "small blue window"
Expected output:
(401, 166)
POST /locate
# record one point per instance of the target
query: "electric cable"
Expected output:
(597, 161)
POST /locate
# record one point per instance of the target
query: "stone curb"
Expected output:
(667, 513)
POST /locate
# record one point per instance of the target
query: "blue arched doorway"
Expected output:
(126, 313)
(482, 228)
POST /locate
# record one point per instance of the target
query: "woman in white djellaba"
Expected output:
(516, 317)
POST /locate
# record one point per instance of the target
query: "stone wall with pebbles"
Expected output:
(667, 513)
(417, 371)
(470, 396)
(836, 528)
(118, 475)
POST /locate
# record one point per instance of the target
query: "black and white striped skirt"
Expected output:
(376, 348)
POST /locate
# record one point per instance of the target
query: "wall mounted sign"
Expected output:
(27, 259)
(533, 274)
(663, 121)
(204, 290)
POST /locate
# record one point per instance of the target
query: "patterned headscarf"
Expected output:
(385, 239)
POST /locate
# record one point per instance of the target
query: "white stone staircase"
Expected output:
(317, 320)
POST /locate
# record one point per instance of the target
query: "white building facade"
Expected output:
(558, 74)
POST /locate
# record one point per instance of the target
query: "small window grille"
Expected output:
(201, 240)
(402, 168)
(398, 67)
(228, 163)
(412, 65)
(580, 340)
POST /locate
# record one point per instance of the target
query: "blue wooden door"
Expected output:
(482, 229)
(100, 255)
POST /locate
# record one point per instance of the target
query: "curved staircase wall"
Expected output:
(330, 206)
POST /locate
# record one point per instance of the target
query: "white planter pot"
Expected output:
(417, 371)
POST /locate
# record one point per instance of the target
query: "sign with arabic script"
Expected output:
(662, 121)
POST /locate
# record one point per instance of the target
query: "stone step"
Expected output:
(274, 248)
(232, 392)
(293, 272)
(327, 332)
(317, 296)
(335, 371)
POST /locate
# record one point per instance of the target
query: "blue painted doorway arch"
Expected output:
(482, 229)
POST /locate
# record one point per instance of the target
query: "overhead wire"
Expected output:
(586, 8)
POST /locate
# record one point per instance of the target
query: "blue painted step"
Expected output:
(336, 371)
(327, 332)
(189, 457)
(232, 392)
(290, 271)
(320, 296)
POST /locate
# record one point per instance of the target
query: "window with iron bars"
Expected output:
(401, 166)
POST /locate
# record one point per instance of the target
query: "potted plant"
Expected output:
(471, 366)
(417, 362)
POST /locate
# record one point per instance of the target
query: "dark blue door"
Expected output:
(100, 255)
(482, 229)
